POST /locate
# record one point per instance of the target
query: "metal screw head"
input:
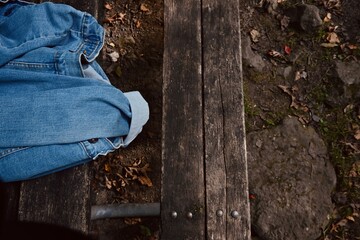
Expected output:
(189, 215)
(235, 214)
(219, 213)
(174, 214)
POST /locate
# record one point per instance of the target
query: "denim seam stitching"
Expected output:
(36, 39)
(14, 151)
(30, 65)
(103, 153)
(84, 148)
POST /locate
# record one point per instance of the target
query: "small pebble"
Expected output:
(114, 56)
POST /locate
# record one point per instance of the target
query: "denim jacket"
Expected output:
(58, 108)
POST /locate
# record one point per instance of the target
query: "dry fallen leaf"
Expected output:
(357, 134)
(254, 34)
(138, 24)
(107, 167)
(327, 18)
(132, 221)
(122, 16)
(329, 4)
(114, 56)
(328, 45)
(332, 28)
(144, 8)
(108, 183)
(108, 6)
(352, 46)
(287, 49)
(145, 180)
(332, 38)
(341, 223)
(348, 108)
(300, 75)
(294, 103)
(277, 56)
(284, 22)
(109, 20)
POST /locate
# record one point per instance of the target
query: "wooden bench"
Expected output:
(61, 199)
(205, 186)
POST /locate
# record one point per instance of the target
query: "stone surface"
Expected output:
(306, 16)
(349, 74)
(269, 5)
(292, 179)
(251, 59)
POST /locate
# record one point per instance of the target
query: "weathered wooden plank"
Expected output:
(9, 196)
(183, 176)
(225, 147)
(61, 199)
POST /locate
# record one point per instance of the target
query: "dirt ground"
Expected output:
(300, 80)
(132, 57)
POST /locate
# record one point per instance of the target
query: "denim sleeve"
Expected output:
(53, 94)
(22, 163)
(140, 115)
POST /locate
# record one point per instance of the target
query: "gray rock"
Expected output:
(349, 74)
(292, 179)
(306, 16)
(270, 6)
(310, 19)
(250, 58)
(287, 72)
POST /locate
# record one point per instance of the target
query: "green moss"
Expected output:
(259, 77)
(251, 110)
(274, 118)
(335, 131)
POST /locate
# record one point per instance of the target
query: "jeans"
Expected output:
(58, 108)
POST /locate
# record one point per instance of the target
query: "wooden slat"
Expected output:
(215, 148)
(183, 176)
(62, 199)
(9, 196)
(225, 148)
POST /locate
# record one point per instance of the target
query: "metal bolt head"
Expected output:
(219, 213)
(174, 214)
(189, 215)
(235, 214)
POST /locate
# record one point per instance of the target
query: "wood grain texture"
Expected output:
(203, 133)
(62, 199)
(225, 146)
(183, 173)
(9, 196)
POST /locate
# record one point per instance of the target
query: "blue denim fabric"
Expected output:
(54, 96)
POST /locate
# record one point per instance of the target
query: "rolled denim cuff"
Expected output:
(22, 1)
(139, 115)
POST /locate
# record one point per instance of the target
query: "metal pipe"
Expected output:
(125, 210)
